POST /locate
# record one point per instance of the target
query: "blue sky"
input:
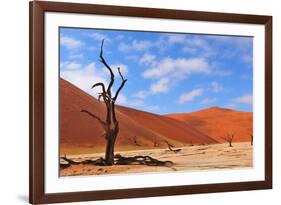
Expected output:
(166, 72)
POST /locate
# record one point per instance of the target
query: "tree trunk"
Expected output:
(252, 140)
(110, 143)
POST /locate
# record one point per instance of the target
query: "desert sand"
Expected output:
(190, 158)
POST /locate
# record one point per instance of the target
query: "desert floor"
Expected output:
(197, 157)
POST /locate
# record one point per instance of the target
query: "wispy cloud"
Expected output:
(168, 72)
(76, 56)
(216, 87)
(85, 78)
(190, 96)
(70, 42)
(208, 101)
(160, 86)
(179, 68)
(99, 36)
(140, 104)
(175, 38)
(69, 65)
(245, 99)
(135, 45)
(230, 105)
(141, 94)
(147, 59)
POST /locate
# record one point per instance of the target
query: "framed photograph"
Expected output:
(139, 102)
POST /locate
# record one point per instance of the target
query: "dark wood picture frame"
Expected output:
(37, 193)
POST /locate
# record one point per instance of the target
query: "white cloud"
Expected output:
(190, 96)
(76, 56)
(176, 38)
(200, 46)
(70, 65)
(208, 101)
(85, 78)
(160, 86)
(99, 37)
(135, 45)
(140, 104)
(122, 100)
(177, 68)
(147, 59)
(168, 72)
(241, 47)
(230, 105)
(217, 69)
(141, 45)
(123, 47)
(70, 43)
(141, 94)
(219, 72)
(245, 99)
(216, 87)
(189, 49)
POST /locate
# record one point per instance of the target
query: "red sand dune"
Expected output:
(218, 122)
(79, 130)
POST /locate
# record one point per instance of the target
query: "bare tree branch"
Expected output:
(102, 60)
(96, 117)
(99, 84)
(121, 86)
(119, 71)
(171, 147)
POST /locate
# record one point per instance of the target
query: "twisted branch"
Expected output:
(96, 117)
(102, 60)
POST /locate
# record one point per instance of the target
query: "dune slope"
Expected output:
(217, 122)
(80, 133)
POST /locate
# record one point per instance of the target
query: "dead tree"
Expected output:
(170, 146)
(252, 139)
(135, 141)
(110, 124)
(111, 128)
(229, 139)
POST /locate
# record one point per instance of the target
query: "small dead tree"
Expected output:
(252, 139)
(229, 139)
(135, 141)
(170, 147)
(110, 124)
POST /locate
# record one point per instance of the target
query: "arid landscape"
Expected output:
(198, 157)
(191, 141)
